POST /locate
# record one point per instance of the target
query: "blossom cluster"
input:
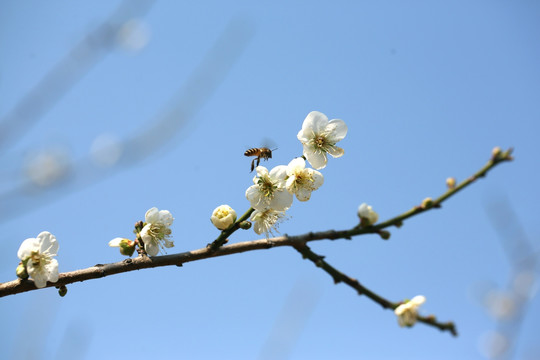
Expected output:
(272, 192)
(154, 235)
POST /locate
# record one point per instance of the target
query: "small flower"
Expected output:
(319, 136)
(302, 181)
(127, 247)
(37, 256)
(367, 215)
(407, 312)
(156, 232)
(223, 217)
(267, 220)
(269, 189)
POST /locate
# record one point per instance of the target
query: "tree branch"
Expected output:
(216, 249)
(338, 277)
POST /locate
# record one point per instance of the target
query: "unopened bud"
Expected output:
(62, 290)
(223, 217)
(21, 271)
(245, 225)
(385, 235)
(127, 247)
(367, 215)
(451, 182)
(427, 203)
(496, 152)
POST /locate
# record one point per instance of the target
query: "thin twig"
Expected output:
(338, 277)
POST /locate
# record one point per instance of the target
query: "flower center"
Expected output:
(266, 186)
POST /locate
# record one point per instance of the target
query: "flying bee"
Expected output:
(260, 153)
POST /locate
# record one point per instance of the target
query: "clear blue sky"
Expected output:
(427, 89)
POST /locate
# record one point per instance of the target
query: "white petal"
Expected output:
(303, 194)
(279, 173)
(165, 217)
(296, 164)
(316, 159)
(48, 243)
(115, 242)
(26, 248)
(254, 196)
(261, 171)
(52, 269)
(318, 179)
(282, 200)
(336, 130)
(335, 151)
(418, 300)
(151, 248)
(152, 215)
(304, 136)
(315, 121)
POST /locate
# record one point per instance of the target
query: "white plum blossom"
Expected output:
(266, 221)
(302, 181)
(367, 215)
(407, 313)
(156, 233)
(223, 217)
(37, 255)
(319, 137)
(269, 189)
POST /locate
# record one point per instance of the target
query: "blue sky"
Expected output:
(427, 89)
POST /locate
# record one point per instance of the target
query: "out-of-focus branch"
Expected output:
(338, 277)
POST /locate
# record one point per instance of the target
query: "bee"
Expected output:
(260, 153)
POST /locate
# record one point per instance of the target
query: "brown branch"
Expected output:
(143, 262)
(338, 277)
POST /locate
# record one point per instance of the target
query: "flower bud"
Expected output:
(127, 247)
(21, 271)
(223, 217)
(451, 182)
(245, 225)
(496, 152)
(367, 215)
(62, 290)
(427, 203)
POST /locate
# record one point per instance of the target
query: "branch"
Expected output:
(338, 277)
(144, 262)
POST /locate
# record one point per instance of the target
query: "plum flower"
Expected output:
(407, 313)
(266, 221)
(319, 137)
(156, 232)
(367, 215)
(126, 246)
(269, 189)
(223, 217)
(302, 181)
(37, 254)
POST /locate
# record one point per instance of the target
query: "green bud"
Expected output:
(127, 247)
(245, 225)
(427, 203)
(21, 271)
(62, 290)
(385, 235)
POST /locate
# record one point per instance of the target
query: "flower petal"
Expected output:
(303, 194)
(282, 200)
(316, 159)
(48, 243)
(315, 122)
(165, 217)
(152, 215)
(52, 269)
(335, 151)
(336, 130)
(279, 173)
(151, 247)
(26, 248)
